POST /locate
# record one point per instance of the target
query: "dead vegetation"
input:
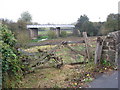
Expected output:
(73, 73)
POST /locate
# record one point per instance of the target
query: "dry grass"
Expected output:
(23, 37)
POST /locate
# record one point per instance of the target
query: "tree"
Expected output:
(111, 24)
(21, 25)
(98, 26)
(89, 28)
(80, 21)
(84, 25)
(23, 33)
(26, 17)
(10, 24)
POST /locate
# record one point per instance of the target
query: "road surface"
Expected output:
(105, 81)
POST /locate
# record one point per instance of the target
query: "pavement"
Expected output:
(105, 81)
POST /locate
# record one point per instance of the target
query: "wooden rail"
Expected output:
(53, 43)
(47, 55)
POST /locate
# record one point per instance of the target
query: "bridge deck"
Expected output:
(50, 25)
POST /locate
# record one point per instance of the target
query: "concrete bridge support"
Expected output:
(58, 31)
(33, 33)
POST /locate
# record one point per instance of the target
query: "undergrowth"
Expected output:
(11, 65)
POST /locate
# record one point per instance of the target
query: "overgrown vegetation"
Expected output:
(106, 63)
(19, 28)
(98, 28)
(63, 34)
(51, 34)
(83, 24)
(11, 66)
(40, 38)
(23, 38)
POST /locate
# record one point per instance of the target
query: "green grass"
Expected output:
(81, 47)
(42, 32)
(69, 56)
(43, 37)
(39, 38)
(69, 32)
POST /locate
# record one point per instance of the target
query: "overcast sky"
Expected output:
(58, 11)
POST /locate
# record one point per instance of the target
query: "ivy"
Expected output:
(11, 66)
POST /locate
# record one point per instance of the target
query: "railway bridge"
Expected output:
(33, 29)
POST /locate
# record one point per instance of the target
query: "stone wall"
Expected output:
(111, 47)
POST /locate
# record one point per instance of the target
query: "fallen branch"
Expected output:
(78, 63)
(42, 59)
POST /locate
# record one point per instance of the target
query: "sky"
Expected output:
(58, 11)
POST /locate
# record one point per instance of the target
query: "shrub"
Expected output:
(63, 34)
(11, 67)
(51, 34)
(76, 32)
(23, 37)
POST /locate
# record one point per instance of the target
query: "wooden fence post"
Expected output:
(98, 50)
(86, 45)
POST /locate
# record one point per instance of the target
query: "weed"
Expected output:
(88, 79)
(105, 63)
(63, 34)
(51, 34)
(56, 86)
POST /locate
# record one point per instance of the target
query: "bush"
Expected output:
(23, 37)
(51, 34)
(11, 66)
(63, 34)
(76, 32)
